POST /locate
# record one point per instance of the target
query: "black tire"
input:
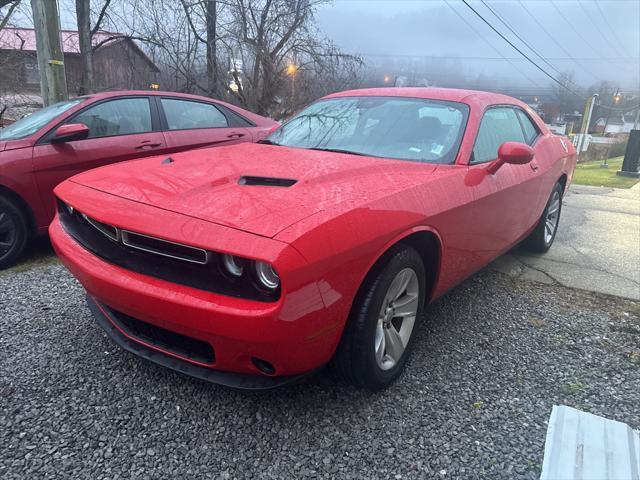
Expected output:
(14, 232)
(538, 241)
(355, 359)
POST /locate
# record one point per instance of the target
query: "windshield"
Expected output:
(34, 122)
(398, 128)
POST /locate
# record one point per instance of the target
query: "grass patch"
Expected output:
(590, 173)
(26, 265)
(573, 387)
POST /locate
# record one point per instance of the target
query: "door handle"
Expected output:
(146, 144)
(235, 135)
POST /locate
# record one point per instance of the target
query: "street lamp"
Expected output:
(292, 70)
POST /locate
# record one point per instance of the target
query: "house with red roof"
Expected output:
(119, 63)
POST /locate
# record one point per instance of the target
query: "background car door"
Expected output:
(119, 129)
(504, 203)
(192, 124)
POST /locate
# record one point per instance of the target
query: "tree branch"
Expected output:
(101, 15)
(4, 3)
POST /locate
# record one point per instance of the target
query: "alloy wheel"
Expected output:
(397, 318)
(553, 214)
(7, 233)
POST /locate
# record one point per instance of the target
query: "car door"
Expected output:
(191, 124)
(119, 129)
(503, 202)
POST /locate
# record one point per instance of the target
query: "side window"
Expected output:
(530, 131)
(498, 125)
(185, 115)
(236, 119)
(116, 117)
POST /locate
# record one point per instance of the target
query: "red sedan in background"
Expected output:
(40, 151)
(253, 265)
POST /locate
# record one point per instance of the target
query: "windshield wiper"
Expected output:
(339, 150)
(266, 141)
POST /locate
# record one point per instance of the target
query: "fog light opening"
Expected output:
(264, 366)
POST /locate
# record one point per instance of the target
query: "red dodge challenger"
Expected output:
(49, 146)
(253, 265)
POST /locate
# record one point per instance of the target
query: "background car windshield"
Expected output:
(398, 128)
(34, 122)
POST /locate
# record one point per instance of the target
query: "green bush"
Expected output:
(618, 149)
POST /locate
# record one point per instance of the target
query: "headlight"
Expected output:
(267, 276)
(232, 265)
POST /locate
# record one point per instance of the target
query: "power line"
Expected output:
(459, 15)
(518, 36)
(484, 57)
(535, 64)
(595, 24)
(517, 49)
(613, 32)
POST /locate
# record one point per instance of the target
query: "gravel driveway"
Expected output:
(492, 358)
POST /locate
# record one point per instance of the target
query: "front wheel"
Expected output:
(381, 329)
(542, 237)
(14, 233)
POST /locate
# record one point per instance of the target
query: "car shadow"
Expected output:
(39, 252)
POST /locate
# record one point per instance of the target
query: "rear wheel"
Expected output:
(542, 237)
(14, 233)
(381, 329)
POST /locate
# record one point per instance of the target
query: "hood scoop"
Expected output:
(266, 181)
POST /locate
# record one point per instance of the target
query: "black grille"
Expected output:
(204, 276)
(182, 345)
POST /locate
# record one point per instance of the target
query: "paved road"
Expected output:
(597, 247)
(491, 359)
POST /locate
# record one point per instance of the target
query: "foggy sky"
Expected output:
(388, 31)
(380, 30)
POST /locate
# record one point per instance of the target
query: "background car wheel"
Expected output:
(14, 233)
(541, 239)
(381, 329)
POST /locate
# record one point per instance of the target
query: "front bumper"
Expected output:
(227, 379)
(296, 334)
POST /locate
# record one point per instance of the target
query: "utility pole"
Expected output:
(586, 120)
(53, 83)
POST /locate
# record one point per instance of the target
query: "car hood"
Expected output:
(250, 186)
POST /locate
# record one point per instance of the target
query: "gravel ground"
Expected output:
(492, 358)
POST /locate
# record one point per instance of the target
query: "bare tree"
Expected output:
(13, 5)
(277, 46)
(85, 35)
(564, 96)
(208, 10)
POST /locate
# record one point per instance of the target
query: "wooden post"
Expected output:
(53, 82)
(212, 64)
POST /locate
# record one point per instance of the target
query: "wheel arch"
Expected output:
(427, 242)
(563, 181)
(24, 207)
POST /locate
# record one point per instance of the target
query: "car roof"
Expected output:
(253, 117)
(477, 97)
(127, 93)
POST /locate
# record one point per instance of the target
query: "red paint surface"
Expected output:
(322, 234)
(30, 168)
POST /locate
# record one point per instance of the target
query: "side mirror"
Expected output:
(273, 128)
(515, 153)
(70, 132)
